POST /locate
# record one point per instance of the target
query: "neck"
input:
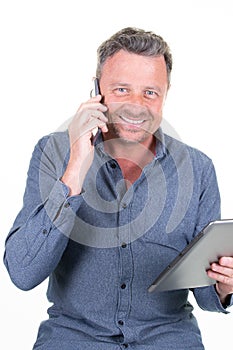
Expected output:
(140, 153)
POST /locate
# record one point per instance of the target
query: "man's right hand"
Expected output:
(89, 116)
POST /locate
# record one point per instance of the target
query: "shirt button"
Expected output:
(123, 286)
(125, 346)
(44, 231)
(124, 205)
(67, 205)
(113, 165)
(120, 322)
(123, 245)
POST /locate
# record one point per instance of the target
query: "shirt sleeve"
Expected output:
(41, 230)
(209, 210)
(208, 300)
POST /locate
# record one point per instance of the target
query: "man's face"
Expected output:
(134, 88)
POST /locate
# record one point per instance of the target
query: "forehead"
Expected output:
(123, 65)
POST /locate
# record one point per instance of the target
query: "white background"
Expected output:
(48, 57)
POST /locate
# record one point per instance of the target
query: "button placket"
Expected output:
(126, 267)
(124, 205)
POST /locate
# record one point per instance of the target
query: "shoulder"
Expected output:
(59, 139)
(179, 149)
(193, 162)
(52, 149)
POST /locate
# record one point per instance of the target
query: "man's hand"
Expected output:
(222, 272)
(89, 116)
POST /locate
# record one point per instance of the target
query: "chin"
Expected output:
(115, 130)
(133, 137)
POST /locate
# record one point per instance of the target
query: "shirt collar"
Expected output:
(160, 147)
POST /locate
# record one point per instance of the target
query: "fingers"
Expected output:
(89, 116)
(222, 272)
(88, 120)
(93, 104)
(226, 261)
(223, 267)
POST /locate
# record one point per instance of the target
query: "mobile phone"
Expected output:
(97, 92)
(96, 87)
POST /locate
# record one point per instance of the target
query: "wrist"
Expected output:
(77, 168)
(224, 297)
(71, 179)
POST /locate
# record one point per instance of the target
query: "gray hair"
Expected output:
(136, 41)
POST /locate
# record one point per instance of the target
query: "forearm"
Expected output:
(72, 178)
(80, 160)
(28, 266)
(89, 117)
(34, 246)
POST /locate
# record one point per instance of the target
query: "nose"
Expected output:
(137, 98)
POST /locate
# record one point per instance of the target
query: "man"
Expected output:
(104, 213)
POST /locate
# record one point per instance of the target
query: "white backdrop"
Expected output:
(48, 57)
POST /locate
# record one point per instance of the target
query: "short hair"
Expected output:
(134, 40)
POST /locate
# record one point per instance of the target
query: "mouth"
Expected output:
(136, 122)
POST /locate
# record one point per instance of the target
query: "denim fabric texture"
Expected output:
(102, 249)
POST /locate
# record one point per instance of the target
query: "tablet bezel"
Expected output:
(188, 269)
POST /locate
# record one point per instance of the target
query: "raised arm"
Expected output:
(41, 230)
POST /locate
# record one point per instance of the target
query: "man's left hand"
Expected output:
(222, 272)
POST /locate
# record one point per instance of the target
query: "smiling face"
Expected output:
(134, 89)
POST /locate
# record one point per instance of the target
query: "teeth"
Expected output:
(132, 121)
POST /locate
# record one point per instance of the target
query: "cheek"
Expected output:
(156, 110)
(110, 110)
(109, 98)
(157, 119)
(110, 115)
(157, 106)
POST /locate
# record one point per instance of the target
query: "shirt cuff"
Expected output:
(208, 299)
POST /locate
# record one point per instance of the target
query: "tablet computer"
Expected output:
(188, 269)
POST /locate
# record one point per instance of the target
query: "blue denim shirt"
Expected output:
(102, 249)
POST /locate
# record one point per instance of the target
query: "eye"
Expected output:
(151, 93)
(120, 91)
